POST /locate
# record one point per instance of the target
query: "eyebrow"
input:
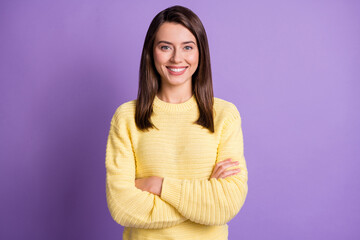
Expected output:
(172, 44)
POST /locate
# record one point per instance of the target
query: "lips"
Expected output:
(176, 70)
(176, 66)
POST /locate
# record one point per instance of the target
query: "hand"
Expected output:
(151, 184)
(220, 169)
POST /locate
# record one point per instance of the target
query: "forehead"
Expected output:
(174, 32)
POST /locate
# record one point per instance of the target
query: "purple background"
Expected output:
(291, 68)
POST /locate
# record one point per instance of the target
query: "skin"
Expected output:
(177, 52)
(180, 50)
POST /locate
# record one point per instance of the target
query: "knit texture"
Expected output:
(192, 205)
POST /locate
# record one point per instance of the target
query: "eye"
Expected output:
(188, 47)
(164, 47)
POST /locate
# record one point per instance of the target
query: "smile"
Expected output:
(176, 71)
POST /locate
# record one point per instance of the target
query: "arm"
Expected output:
(213, 201)
(128, 205)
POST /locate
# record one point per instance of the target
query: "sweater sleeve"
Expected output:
(213, 201)
(128, 205)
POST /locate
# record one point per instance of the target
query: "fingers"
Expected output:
(220, 169)
(229, 173)
(217, 171)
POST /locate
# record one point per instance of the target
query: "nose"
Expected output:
(176, 57)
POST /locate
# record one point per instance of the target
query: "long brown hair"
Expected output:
(150, 80)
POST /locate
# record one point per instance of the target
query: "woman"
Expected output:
(175, 167)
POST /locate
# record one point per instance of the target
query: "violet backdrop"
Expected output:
(291, 68)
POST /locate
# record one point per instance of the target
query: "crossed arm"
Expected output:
(157, 202)
(153, 184)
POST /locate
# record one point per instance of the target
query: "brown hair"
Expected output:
(150, 80)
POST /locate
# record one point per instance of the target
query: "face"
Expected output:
(176, 54)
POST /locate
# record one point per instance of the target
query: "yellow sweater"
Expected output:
(192, 205)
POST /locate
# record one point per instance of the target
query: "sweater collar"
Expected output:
(175, 107)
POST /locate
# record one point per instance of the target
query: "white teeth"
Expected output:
(176, 69)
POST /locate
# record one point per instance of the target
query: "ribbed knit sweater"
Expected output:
(192, 205)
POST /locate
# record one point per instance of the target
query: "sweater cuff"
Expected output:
(171, 191)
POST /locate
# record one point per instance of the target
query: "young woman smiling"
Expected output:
(175, 165)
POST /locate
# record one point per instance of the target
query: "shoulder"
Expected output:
(125, 112)
(225, 110)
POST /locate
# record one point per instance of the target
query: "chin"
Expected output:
(176, 81)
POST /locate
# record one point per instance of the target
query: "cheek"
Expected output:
(159, 58)
(193, 58)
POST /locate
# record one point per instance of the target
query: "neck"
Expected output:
(180, 106)
(174, 96)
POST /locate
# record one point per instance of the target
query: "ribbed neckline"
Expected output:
(175, 107)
